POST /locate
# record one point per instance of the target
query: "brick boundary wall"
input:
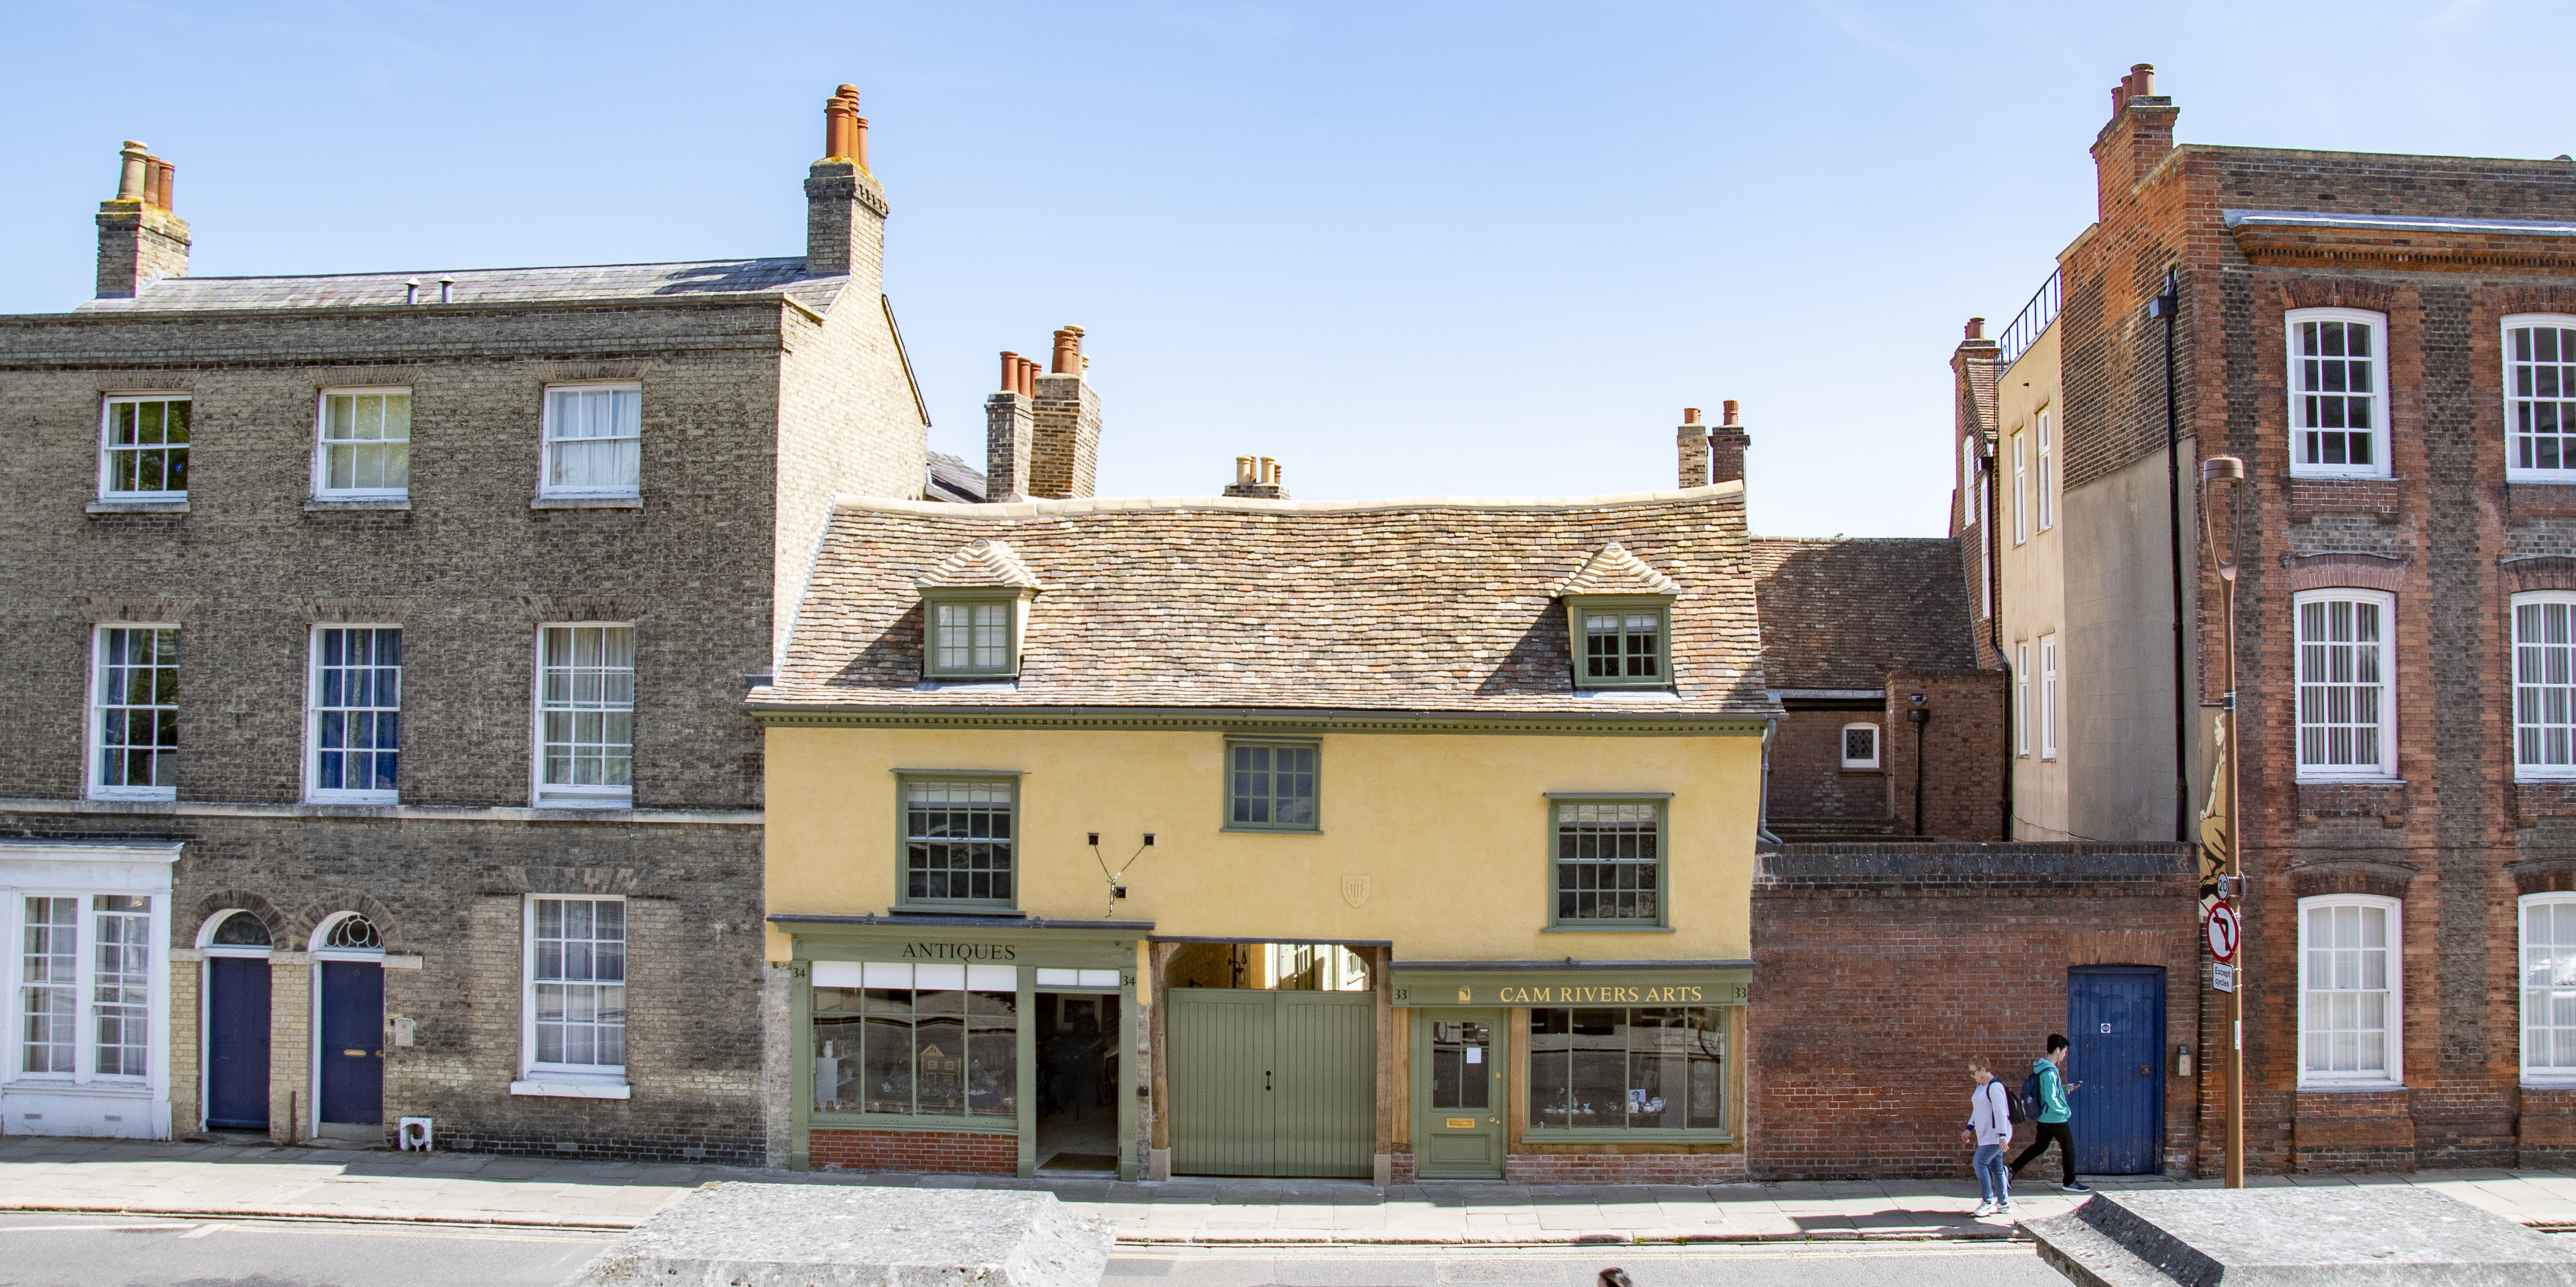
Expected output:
(946, 1152)
(1882, 967)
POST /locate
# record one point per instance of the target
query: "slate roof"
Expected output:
(1840, 614)
(1431, 605)
(697, 280)
(952, 479)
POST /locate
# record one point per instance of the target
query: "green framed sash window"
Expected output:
(1621, 642)
(972, 634)
(1608, 861)
(960, 841)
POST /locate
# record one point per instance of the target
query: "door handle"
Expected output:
(2144, 1072)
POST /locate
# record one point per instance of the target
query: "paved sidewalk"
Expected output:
(41, 1174)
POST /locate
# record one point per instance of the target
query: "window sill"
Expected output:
(1273, 831)
(572, 1089)
(587, 502)
(2298, 475)
(135, 797)
(371, 803)
(2350, 1087)
(1619, 1135)
(1003, 910)
(1609, 929)
(586, 803)
(824, 1120)
(1627, 692)
(2305, 780)
(137, 507)
(2556, 1083)
(323, 504)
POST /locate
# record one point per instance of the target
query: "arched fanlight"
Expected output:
(355, 933)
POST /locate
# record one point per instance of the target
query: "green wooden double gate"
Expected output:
(1272, 1083)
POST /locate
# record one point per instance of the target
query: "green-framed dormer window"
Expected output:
(1621, 642)
(970, 634)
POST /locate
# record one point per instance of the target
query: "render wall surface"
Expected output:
(2115, 658)
(2032, 585)
(1883, 968)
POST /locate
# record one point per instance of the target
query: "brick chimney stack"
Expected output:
(138, 238)
(845, 209)
(1258, 476)
(1727, 444)
(2139, 134)
(1064, 454)
(1692, 439)
(1010, 430)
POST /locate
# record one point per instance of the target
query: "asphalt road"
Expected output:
(118, 1251)
(1915, 1264)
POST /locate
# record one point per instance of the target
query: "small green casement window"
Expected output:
(1622, 643)
(1609, 861)
(960, 840)
(971, 635)
(1271, 786)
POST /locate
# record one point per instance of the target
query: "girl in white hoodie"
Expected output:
(1990, 1128)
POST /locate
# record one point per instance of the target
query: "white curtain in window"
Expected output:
(2549, 985)
(592, 437)
(2344, 706)
(2344, 1011)
(2544, 687)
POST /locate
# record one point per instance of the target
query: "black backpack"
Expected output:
(2026, 1106)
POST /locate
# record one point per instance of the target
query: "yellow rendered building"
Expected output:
(1408, 839)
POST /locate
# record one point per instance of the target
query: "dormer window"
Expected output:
(974, 611)
(1619, 622)
(972, 633)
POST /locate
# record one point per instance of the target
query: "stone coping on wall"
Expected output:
(1918, 864)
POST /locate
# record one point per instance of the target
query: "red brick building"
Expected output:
(2389, 344)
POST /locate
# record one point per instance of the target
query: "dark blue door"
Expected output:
(237, 1043)
(2115, 1017)
(353, 1043)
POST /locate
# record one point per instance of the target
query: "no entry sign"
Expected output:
(2224, 932)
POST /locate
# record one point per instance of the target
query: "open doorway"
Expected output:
(1077, 1082)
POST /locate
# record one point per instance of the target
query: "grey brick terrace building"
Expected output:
(376, 647)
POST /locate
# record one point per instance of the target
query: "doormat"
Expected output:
(1081, 1162)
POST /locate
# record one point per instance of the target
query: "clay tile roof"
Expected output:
(1434, 605)
(1840, 614)
(983, 562)
(1615, 571)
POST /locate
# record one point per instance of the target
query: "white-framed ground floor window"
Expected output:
(2351, 992)
(89, 988)
(2549, 989)
(573, 1006)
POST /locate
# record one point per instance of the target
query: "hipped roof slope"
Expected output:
(1419, 605)
(1840, 614)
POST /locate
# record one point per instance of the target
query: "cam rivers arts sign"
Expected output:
(1554, 983)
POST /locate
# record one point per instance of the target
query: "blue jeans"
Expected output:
(1994, 1183)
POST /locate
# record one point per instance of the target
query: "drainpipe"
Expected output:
(1918, 717)
(2165, 306)
(1762, 822)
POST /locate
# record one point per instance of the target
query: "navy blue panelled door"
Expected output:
(353, 1043)
(2115, 1016)
(237, 1043)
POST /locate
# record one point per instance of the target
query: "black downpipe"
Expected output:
(1919, 717)
(2165, 306)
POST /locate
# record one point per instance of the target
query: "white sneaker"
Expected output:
(2006, 1211)
(1983, 1210)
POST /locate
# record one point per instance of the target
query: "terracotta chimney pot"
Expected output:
(1690, 415)
(169, 176)
(131, 180)
(1068, 351)
(1729, 404)
(1010, 371)
(1976, 328)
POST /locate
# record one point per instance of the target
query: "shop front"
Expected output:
(1569, 1072)
(988, 1045)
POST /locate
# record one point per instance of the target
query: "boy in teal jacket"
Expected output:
(2053, 1114)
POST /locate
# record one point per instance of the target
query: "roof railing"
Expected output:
(2032, 323)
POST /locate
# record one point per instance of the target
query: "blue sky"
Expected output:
(1407, 249)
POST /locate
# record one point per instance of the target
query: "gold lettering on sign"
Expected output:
(1675, 994)
(1462, 1123)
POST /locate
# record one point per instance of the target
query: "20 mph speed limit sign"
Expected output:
(2224, 932)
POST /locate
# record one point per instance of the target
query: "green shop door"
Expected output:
(1272, 1083)
(1459, 1094)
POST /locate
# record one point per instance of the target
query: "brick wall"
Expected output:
(1962, 751)
(1624, 1168)
(2448, 838)
(1882, 968)
(1808, 780)
(947, 1152)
